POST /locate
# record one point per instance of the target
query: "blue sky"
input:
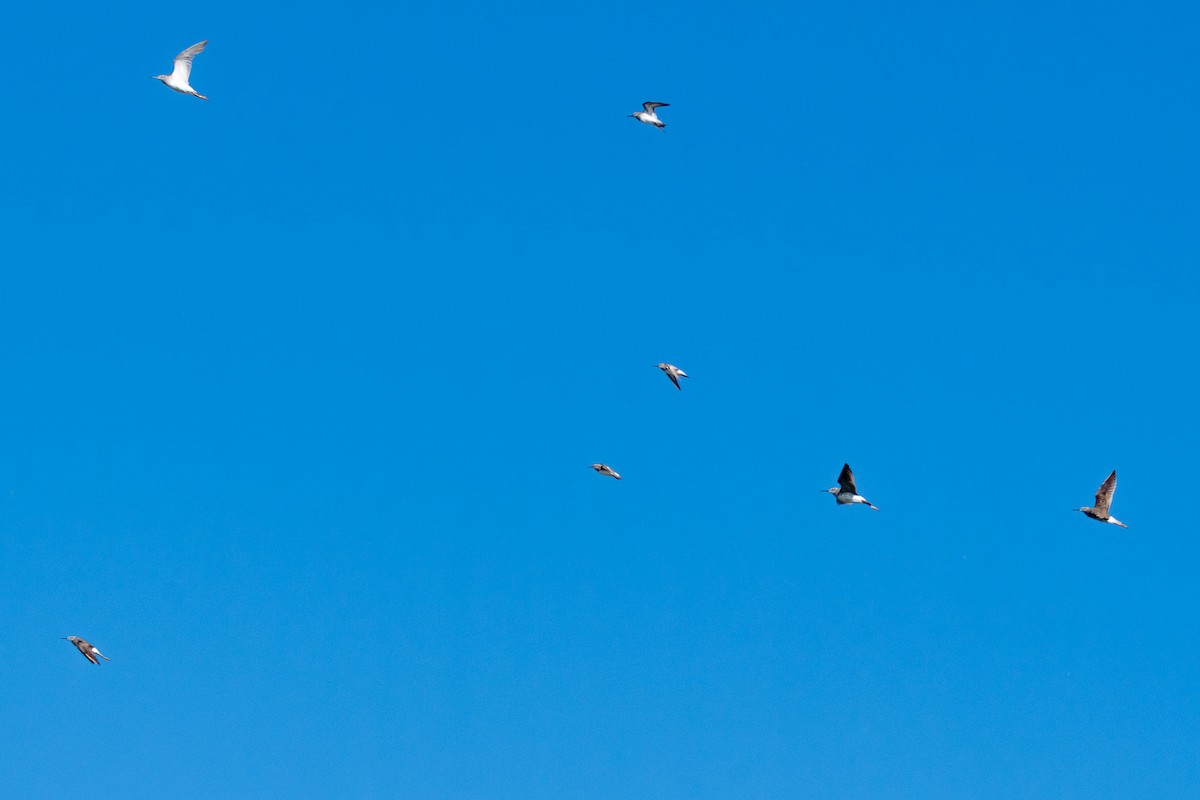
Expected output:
(302, 385)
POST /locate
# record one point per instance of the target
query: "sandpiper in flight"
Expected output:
(605, 469)
(87, 648)
(1103, 500)
(178, 79)
(674, 373)
(650, 116)
(846, 492)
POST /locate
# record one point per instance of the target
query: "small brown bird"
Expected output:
(674, 373)
(87, 648)
(1104, 497)
(846, 492)
(605, 469)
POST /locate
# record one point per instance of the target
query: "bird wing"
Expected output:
(183, 61)
(650, 106)
(84, 647)
(1104, 494)
(846, 480)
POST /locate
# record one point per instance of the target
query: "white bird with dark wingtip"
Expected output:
(605, 469)
(674, 373)
(87, 648)
(179, 77)
(649, 115)
(846, 492)
(1104, 496)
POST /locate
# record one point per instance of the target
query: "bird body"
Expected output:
(649, 116)
(605, 469)
(1104, 496)
(182, 73)
(87, 648)
(846, 492)
(674, 373)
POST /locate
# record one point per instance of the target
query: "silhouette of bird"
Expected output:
(846, 492)
(1104, 497)
(674, 373)
(179, 77)
(605, 469)
(649, 116)
(87, 648)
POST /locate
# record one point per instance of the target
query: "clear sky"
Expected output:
(301, 386)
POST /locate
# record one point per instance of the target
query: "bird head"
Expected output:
(834, 490)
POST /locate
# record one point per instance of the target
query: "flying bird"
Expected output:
(87, 648)
(178, 79)
(846, 492)
(649, 116)
(605, 469)
(1104, 497)
(674, 373)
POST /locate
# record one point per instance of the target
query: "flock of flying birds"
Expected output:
(846, 492)
(181, 76)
